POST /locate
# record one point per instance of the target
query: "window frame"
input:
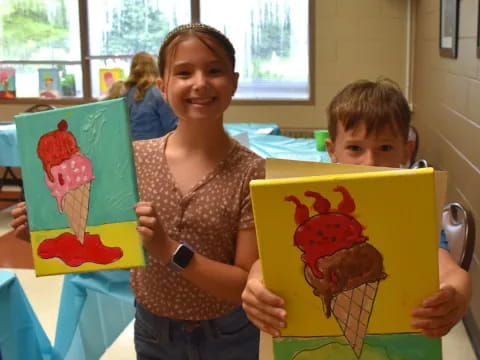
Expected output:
(195, 17)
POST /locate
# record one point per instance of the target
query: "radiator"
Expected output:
(297, 132)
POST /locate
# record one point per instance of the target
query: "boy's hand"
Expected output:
(264, 309)
(154, 238)
(20, 221)
(439, 312)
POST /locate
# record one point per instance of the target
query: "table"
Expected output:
(263, 138)
(22, 336)
(284, 147)
(8, 145)
(273, 145)
(9, 156)
(253, 128)
(94, 309)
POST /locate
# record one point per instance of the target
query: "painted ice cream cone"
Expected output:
(75, 206)
(347, 287)
(340, 265)
(68, 175)
(352, 310)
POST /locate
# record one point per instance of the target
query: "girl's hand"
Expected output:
(264, 309)
(154, 238)
(20, 221)
(439, 312)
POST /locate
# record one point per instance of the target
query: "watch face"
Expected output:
(182, 256)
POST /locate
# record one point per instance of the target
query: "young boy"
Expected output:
(368, 124)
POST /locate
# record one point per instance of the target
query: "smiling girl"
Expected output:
(195, 214)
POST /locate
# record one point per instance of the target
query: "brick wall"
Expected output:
(446, 96)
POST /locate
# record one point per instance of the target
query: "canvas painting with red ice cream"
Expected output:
(7, 83)
(339, 263)
(352, 253)
(80, 188)
(107, 77)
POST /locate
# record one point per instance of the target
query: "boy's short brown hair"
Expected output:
(376, 104)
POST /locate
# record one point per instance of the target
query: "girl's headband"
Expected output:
(194, 26)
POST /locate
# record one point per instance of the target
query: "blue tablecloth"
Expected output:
(265, 139)
(94, 309)
(8, 145)
(253, 128)
(21, 335)
(283, 147)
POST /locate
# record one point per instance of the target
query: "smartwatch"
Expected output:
(181, 257)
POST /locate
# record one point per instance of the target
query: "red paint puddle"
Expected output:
(73, 253)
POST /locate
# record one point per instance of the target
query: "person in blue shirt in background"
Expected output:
(150, 115)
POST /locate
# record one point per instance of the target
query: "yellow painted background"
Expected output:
(398, 210)
(123, 235)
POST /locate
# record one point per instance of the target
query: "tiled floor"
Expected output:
(456, 345)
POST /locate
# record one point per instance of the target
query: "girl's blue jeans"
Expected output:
(229, 337)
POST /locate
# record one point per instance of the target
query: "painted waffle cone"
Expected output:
(352, 310)
(75, 205)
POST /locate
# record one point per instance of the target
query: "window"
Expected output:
(51, 50)
(271, 41)
(39, 44)
(117, 29)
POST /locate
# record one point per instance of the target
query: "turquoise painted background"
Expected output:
(102, 131)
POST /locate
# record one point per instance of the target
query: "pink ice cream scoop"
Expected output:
(69, 175)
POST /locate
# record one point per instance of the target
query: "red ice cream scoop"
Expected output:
(55, 147)
(327, 232)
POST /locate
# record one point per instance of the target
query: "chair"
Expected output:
(419, 164)
(39, 107)
(459, 228)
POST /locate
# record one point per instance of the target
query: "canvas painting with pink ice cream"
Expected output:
(80, 188)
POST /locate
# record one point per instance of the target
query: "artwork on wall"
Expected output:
(108, 77)
(449, 28)
(7, 83)
(49, 83)
(331, 252)
(80, 188)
